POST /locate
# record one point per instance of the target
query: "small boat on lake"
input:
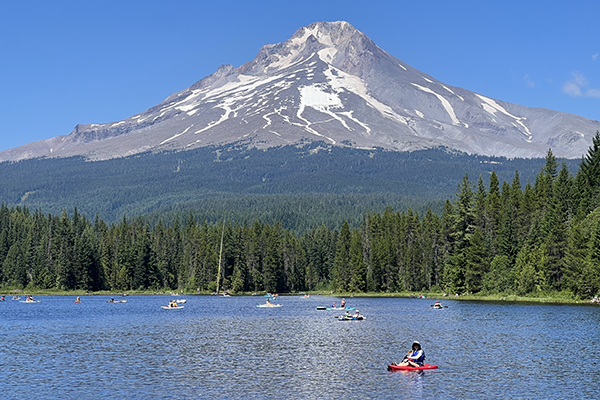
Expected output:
(438, 306)
(269, 305)
(29, 299)
(357, 316)
(392, 367)
(116, 301)
(351, 318)
(172, 307)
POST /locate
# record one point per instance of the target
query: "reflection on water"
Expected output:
(227, 347)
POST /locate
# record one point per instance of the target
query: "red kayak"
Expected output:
(407, 368)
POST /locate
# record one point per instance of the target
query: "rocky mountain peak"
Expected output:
(329, 39)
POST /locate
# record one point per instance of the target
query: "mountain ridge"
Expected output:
(328, 82)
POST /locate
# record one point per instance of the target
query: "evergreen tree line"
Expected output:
(495, 238)
(298, 185)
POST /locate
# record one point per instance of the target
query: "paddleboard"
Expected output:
(171, 308)
(407, 368)
(29, 301)
(270, 305)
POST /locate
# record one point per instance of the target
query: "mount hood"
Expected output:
(328, 82)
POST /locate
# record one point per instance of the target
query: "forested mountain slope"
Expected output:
(297, 186)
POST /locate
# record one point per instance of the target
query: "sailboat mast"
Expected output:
(220, 256)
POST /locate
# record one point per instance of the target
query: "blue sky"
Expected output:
(67, 62)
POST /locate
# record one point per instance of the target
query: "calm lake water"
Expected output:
(222, 348)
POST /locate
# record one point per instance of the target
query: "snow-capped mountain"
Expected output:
(328, 82)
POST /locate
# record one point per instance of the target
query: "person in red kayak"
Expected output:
(413, 358)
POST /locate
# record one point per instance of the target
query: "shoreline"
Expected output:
(545, 299)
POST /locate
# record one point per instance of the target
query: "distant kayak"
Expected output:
(117, 301)
(269, 305)
(29, 301)
(171, 307)
(339, 308)
(351, 318)
(407, 368)
(438, 306)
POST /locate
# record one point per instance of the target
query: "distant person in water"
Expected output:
(343, 304)
(414, 358)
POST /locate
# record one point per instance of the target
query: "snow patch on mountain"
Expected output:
(315, 96)
(450, 90)
(445, 103)
(492, 107)
(179, 134)
(340, 80)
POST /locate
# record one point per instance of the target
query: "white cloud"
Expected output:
(572, 89)
(579, 79)
(593, 93)
(575, 87)
(528, 81)
(595, 56)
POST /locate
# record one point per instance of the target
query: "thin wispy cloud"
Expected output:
(575, 87)
(594, 57)
(528, 81)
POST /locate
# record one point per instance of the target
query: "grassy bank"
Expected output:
(550, 298)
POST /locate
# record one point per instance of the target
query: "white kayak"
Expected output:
(171, 308)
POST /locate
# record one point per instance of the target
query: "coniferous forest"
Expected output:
(491, 238)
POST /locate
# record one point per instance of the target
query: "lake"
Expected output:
(223, 348)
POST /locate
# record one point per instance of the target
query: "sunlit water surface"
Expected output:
(222, 348)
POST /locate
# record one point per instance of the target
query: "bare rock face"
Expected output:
(328, 82)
